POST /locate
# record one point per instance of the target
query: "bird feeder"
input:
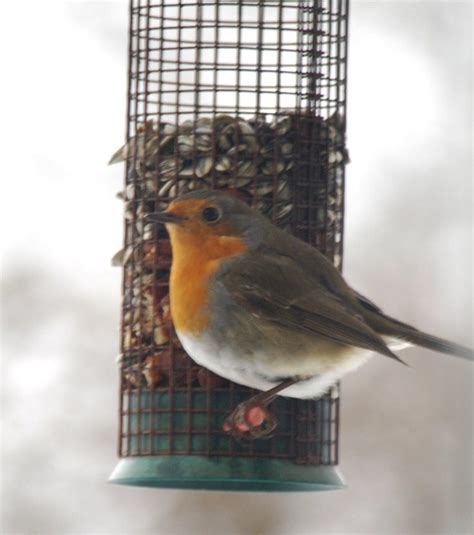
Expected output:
(246, 97)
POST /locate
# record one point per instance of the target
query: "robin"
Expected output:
(266, 310)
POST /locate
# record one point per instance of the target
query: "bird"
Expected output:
(264, 309)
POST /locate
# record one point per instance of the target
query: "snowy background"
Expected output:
(406, 434)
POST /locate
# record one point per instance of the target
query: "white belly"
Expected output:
(257, 372)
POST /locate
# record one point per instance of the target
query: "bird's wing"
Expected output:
(273, 287)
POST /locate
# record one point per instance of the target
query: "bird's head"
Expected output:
(202, 217)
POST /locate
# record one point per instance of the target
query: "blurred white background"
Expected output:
(406, 433)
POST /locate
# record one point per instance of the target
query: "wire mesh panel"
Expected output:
(246, 97)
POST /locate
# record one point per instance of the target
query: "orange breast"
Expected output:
(194, 263)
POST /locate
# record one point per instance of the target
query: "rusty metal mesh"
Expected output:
(247, 97)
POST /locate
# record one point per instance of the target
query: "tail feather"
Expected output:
(389, 326)
(438, 344)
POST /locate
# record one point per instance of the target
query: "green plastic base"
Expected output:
(224, 473)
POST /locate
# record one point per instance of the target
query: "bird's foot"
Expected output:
(250, 420)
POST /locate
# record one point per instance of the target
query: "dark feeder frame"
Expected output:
(294, 55)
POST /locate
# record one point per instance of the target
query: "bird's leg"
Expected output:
(251, 418)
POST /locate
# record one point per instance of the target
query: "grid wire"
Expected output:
(247, 97)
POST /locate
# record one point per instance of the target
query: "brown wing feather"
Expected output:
(275, 288)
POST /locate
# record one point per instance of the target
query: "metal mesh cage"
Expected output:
(246, 97)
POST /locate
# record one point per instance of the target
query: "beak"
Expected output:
(165, 217)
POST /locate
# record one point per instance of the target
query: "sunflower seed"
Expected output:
(282, 126)
(236, 149)
(264, 189)
(129, 211)
(169, 168)
(204, 166)
(203, 143)
(168, 189)
(148, 231)
(223, 163)
(185, 146)
(271, 167)
(127, 256)
(117, 259)
(118, 156)
(245, 169)
(130, 192)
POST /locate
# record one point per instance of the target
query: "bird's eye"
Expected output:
(211, 214)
